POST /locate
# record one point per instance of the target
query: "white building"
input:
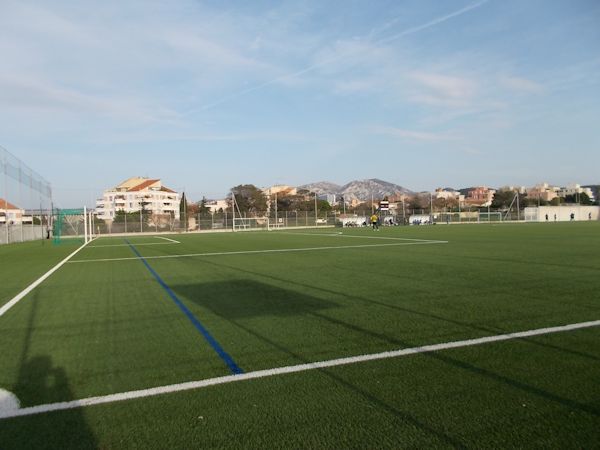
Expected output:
(448, 195)
(575, 189)
(215, 206)
(157, 200)
(10, 213)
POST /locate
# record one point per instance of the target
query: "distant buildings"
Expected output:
(10, 213)
(480, 196)
(214, 206)
(135, 194)
(280, 189)
(449, 195)
(574, 190)
(542, 191)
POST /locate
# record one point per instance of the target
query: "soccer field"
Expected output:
(306, 339)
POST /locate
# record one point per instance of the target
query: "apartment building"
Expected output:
(137, 192)
(480, 196)
(543, 191)
(10, 213)
(575, 189)
(448, 195)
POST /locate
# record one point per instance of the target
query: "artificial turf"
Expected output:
(102, 327)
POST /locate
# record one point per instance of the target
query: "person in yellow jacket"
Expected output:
(375, 222)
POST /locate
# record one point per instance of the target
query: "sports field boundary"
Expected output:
(250, 252)
(12, 302)
(192, 385)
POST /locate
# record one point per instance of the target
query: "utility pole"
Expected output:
(430, 208)
(315, 209)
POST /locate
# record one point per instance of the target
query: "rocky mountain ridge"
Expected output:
(361, 190)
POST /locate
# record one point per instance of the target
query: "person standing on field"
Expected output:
(375, 222)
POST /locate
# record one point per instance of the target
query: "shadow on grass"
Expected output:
(482, 330)
(241, 299)
(40, 382)
(219, 293)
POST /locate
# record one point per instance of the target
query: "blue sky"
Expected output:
(208, 95)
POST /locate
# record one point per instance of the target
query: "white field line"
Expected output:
(341, 235)
(170, 242)
(150, 392)
(36, 283)
(250, 252)
(168, 239)
(137, 245)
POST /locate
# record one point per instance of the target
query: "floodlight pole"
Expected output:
(316, 209)
(5, 167)
(430, 208)
(85, 225)
(233, 211)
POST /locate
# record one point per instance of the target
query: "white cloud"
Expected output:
(519, 84)
(436, 89)
(413, 135)
(25, 93)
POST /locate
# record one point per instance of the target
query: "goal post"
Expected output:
(490, 216)
(72, 225)
(250, 223)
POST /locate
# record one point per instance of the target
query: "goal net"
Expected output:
(71, 225)
(250, 223)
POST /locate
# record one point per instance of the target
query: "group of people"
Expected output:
(571, 216)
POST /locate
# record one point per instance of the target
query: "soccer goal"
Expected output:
(250, 223)
(492, 216)
(72, 225)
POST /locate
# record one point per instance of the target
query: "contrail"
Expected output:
(312, 67)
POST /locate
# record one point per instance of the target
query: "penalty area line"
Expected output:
(250, 252)
(37, 282)
(161, 390)
(357, 236)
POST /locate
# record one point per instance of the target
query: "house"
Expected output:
(135, 194)
(11, 213)
(449, 195)
(480, 196)
(215, 206)
(280, 189)
(543, 192)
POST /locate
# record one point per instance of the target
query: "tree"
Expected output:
(582, 198)
(419, 201)
(249, 199)
(503, 199)
(183, 210)
(202, 208)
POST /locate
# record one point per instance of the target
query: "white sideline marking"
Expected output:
(248, 252)
(137, 245)
(150, 392)
(37, 282)
(171, 242)
(167, 239)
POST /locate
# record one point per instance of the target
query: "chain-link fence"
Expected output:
(226, 221)
(25, 201)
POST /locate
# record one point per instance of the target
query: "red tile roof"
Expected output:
(143, 185)
(7, 205)
(166, 189)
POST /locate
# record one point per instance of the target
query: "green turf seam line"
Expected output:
(151, 392)
(250, 252)
(37, 282)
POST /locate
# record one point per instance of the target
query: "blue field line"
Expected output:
(235, 369)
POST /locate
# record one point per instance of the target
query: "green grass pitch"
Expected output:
(103, 324)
